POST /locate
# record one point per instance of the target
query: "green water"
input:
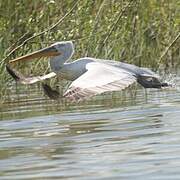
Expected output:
(129, 135)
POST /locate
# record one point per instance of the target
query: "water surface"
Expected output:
(129, 135)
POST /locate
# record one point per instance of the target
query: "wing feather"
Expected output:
(99, 78)
(34, 79)
(19, 77)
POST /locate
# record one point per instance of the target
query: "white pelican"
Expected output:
(89, 76)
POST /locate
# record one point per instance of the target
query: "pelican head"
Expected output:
(58, 52)
(66, 50)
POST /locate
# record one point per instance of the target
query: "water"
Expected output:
(129, 135)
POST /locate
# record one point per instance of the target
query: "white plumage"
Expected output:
(89, 76)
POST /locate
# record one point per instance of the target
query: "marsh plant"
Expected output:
(142, 32)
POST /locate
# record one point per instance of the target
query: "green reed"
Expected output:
(134, 31)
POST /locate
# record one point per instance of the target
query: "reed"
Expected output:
(135, 31)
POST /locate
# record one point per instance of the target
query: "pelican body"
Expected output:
(89, 76)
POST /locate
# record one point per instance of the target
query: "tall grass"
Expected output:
(135, 31)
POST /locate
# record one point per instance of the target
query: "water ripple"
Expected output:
(119, 136)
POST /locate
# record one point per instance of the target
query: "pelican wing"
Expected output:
(27, 80)
(34, 79)
(99, 78)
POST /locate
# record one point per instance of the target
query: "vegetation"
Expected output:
(142, 32)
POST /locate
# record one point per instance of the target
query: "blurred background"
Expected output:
(136, 32)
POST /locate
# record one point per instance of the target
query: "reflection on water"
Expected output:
(126, 135)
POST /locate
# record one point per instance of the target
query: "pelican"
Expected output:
(89, 76)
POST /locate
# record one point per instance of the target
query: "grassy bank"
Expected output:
(138, 31)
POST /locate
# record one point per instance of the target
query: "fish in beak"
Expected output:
(45, 52)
